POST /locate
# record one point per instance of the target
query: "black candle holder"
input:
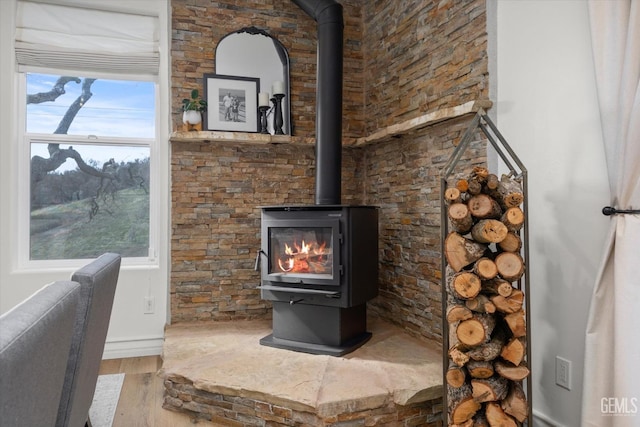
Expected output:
(263, 118)
(277, 118)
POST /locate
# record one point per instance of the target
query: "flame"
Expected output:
(306, 257)
(320, 250)
(290, 263)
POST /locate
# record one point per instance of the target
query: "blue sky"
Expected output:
(116, 109)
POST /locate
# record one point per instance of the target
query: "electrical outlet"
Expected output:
(149, 305)
(563, 372)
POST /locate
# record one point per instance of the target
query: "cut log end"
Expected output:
(480, 369)
(476, 330)
(496, 416)
(462, 185)
(510, 372)
(517, 324)
(460, 218)
(485, 268)
(513, 218)
(456, 313)
(452, 195)
(509, 304)
(492, 182)
(489, 231)
(465, 285)
(497, 286)
(515, 404)
(483, 206)
(510, 266)
(462, 405)
(511, 243)
(461, 252)
(514, 351)
(456, 375)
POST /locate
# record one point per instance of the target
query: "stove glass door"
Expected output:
(303, 253)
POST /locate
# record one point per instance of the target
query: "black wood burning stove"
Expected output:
(319, 263)
(319, 267)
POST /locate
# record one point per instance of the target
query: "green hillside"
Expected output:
(79, 230)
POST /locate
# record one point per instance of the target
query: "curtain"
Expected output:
(80, 38)
(611, 386)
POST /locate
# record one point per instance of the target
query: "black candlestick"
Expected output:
(277, 118)
(263, 118)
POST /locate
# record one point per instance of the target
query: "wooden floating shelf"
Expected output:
(392, 131)
(247, 137)
(423, 121)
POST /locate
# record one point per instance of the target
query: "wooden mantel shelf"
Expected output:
(251, 138)
(425, 120)
(395, 130)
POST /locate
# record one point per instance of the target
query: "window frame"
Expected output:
(24, 173)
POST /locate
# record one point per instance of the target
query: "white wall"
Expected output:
(547, 110)
(131, 332)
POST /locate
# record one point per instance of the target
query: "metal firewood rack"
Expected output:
(482, 122)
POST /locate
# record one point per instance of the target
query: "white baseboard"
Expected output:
(542, 420)
(144, 346)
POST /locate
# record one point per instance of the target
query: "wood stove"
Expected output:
(319, 267)
(319, 263)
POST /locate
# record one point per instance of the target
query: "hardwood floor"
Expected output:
(140, 403)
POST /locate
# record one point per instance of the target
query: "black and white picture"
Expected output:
(232, 103)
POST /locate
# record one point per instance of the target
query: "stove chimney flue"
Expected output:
(328, 15)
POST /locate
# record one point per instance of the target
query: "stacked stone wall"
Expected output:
(403, 179)
(422, 56)
(198, 26)
(242, 411)
(402, 59)
(217, 191)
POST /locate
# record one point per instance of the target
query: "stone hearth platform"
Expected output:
(219, 371)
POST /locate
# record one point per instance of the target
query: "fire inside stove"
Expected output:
(301, 251)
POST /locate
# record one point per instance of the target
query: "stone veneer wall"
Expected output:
(239, 411)
(402, 58)
(198, 25)
(217, 189)
(421, 56)
(402, 177)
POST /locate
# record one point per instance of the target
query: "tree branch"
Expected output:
(41, 166)
(71, 113)
(54, 93)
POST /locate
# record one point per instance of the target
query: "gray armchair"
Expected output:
(35, 338)
(98, 281)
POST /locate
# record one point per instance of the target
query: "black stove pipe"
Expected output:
(328, 15)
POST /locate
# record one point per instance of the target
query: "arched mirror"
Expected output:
(252, 52)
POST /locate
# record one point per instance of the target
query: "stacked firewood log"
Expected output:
(485, 310)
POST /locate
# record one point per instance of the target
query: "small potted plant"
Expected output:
(192, 108)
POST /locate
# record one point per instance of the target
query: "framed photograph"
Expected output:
(232, 103)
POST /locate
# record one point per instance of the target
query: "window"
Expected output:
(89, 143)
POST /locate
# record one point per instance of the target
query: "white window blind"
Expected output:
(60, 36)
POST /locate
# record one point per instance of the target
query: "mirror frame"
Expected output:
(283, 55)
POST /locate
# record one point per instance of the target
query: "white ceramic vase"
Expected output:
(191, 117)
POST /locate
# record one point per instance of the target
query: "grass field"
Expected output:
(67, 231)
